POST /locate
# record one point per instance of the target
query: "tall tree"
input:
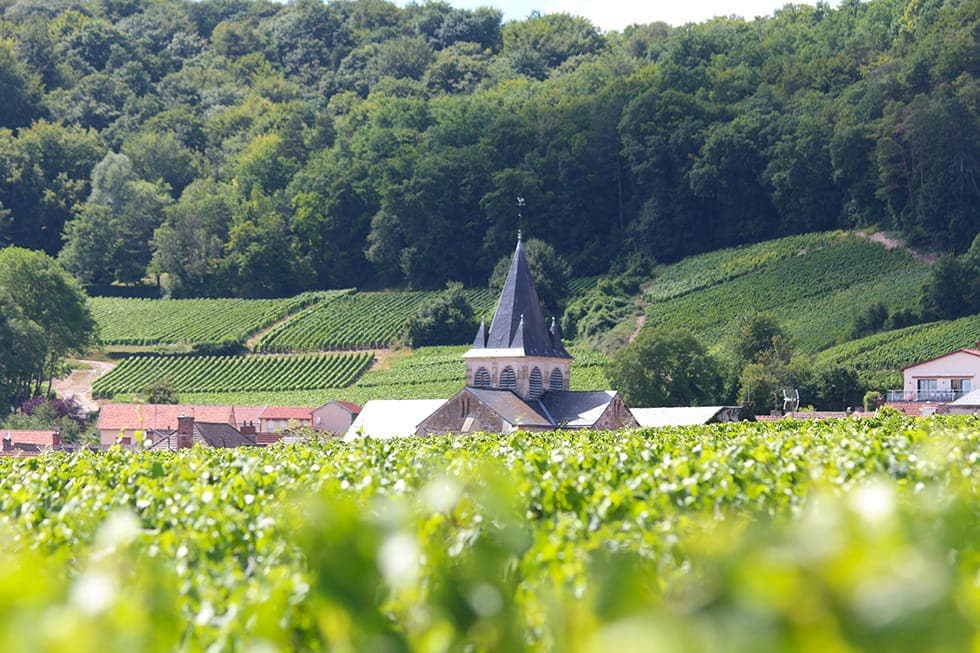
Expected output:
(48, 309)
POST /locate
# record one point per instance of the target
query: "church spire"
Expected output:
(518, 322)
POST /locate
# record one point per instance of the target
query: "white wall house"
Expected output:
(942, 379)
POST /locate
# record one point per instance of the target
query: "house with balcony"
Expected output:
(939, 380)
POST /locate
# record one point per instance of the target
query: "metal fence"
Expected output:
(938, 396)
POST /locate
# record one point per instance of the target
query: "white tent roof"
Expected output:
(391, 418)
(969, 399)
(682, 416)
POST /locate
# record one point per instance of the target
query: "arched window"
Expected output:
(508, 380)
(535, 384)
(482, 378)
(556, 381)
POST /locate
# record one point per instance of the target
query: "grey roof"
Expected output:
(577, 409)
(512, 408)
(391, 418)
(518, 322)
(222, 435)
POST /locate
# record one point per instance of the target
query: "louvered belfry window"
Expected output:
(556, 382)
(536, 384)
(508, 380)
(482, 378)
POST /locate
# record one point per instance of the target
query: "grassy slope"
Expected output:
(815, 285)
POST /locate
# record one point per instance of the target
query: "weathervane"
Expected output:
(520, 215)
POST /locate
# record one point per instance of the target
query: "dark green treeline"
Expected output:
(258, 149)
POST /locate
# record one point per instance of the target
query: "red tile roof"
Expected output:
(268, 438)
(30, 437)
(349, 406)
(248, 414)
(159, 416)
(287, 412)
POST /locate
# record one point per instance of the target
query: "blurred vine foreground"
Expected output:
(850, 535)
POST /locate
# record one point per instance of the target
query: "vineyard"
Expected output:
(712, 268)
(358, 321)
(425, 373)
(250, 373)
(815, 293)
(194, 321)
(881, 355)
(850, 535)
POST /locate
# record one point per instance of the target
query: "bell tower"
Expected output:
(518, 352)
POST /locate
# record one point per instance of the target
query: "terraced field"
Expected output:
(370, 320)
(815, 285)
(194, 321)
(425, 373)
(234, 373)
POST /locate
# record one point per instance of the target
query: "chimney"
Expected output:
(248, 429)
(56, 437)
(185, 431)
(8, 442)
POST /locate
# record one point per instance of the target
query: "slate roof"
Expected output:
(512, 408)
(391, 418)
(222, 435)
(576, 409)
(518, 326)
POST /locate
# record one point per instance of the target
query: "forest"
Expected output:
(248, 148)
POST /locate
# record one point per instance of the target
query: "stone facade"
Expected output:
(616, 416)
(553, 373)
(463, 413)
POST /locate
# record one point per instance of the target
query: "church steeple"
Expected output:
(518, 322)
(519, 352)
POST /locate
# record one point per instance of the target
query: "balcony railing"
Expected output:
(938, 396)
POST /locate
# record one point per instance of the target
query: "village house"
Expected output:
(29, 442)
(118, 423)
(944, 378)
(937, 381)
(190, 432)
(517, 376)
(335, 416)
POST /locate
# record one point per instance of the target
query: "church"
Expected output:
(517, 378)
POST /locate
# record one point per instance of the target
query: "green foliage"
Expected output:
(578, 541)
(811, 292)
(446, 319)
(44, 316)
(665, 368)
(872, 400)
(233, 373)
(161, 391)
(358, 321)
(193, 321)
(550, 272)
(953, 288)
(359, 143)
